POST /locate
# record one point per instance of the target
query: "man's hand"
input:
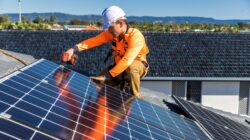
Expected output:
(103, 77)
(70, 53)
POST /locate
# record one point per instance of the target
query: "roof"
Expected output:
(160, 99)
(90, 27)
(197, 78)
(157, 98)
(199, 54)
(74, 27)
(48, 101)
(9, 64)
(173, 106)
(217, 126)
(202, 55)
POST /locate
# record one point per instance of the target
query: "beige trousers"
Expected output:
(131, 75)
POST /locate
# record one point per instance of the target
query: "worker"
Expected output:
(128, 47)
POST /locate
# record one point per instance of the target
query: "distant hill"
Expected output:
(139, 19)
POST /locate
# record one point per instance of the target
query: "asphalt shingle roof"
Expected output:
(171, 54)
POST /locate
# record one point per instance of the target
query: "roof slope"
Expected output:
(9, 64)
(199, 54)
(171, 54)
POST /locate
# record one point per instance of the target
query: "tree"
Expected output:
(241, 24)
(99, 23)
(38, 20)
(133, 22)
(45, 20)
(25, 19)
(12, 26)
(20, 25)
(53, 19)
(4, 19)
(62, 23)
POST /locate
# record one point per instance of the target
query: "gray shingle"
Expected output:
(171, 54)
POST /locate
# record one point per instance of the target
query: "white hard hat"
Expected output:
(112, 14)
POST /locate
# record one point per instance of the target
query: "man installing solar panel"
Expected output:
(128, 47)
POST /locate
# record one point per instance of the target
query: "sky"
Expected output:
(218, 9)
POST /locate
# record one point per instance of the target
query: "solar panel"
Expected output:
(217, 126)
(13, 130)
(64, 104)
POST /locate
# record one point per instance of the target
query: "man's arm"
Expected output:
(101, 38)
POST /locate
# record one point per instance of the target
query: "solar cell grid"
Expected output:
(13, 130)
(36, 112)
(114, 98)
(54, 99)
(217, 126)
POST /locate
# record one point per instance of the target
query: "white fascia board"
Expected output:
(196, 78)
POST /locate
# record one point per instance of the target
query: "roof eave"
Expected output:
(196, 78)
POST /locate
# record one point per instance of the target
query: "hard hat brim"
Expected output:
(106, 26)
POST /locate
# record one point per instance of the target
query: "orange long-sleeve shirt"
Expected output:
(131, 47)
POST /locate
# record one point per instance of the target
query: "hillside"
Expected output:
(90, 18)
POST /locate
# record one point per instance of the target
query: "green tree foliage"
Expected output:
(145, 26)
(25, 19)
(132, 23)
(41, 23)
(38, 20)
(53, 19)
(4, 19)
(4, 22)
(99, 23)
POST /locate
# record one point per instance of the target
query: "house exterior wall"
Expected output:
(179, 88)
(156, 86)
(243, 97)
(221, 95)
(248, 103)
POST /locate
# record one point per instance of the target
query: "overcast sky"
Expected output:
(218, 9)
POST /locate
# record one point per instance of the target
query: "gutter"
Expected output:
(196, 79)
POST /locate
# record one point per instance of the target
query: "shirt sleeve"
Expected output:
(135, 44)
(101, 38)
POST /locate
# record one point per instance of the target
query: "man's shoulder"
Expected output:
(134, 31)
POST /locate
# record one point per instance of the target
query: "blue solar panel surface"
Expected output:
(217, 126)
(51, 102)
